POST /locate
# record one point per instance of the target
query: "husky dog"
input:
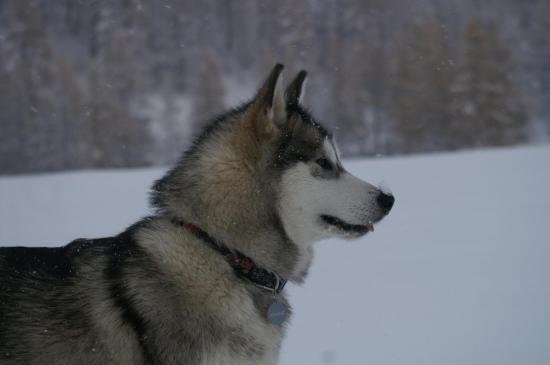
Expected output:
(201, 281)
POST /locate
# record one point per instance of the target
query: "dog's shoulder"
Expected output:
(203, 296)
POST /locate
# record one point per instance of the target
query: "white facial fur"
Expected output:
(305, 198)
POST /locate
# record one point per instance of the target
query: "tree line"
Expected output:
(120, 83)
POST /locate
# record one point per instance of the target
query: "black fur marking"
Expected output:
(294, 90)
(355, 228)
(306, 116)
(34, 288)
(298, 144)
(36, 261)
(121, 249)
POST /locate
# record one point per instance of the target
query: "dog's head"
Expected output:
(317, 197)
(270, 162)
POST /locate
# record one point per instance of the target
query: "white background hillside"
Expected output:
(457, 274)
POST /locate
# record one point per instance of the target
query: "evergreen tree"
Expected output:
(38, 93)
(541, 45)
(421, 90)
(488, 109)
(117, 81)
(208, 94)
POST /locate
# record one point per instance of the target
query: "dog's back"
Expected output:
(54, 303)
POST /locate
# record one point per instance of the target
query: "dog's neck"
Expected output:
(244, 266)
(235, 208)
(264, 241)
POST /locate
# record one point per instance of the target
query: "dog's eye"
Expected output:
(324, 163)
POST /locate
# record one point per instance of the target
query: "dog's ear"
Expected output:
(295, 91)
(270, 102)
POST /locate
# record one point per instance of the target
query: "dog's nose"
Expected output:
(385, 201)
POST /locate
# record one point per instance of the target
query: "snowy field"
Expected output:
(458, 273)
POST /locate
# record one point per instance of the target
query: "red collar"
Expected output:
(243, 265)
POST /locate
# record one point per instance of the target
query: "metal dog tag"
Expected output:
(277, 313)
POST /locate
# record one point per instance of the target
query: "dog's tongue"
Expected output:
(370, 227)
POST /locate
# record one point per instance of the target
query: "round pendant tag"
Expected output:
(277, 313)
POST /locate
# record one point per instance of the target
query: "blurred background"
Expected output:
(120, 83)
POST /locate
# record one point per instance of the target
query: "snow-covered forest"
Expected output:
(92, 83)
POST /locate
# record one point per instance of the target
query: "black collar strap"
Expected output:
(241, 264)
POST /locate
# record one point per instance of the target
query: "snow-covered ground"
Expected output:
(458, 273)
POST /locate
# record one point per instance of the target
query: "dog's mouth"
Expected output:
(353, 230)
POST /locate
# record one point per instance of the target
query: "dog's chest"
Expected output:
(251, 338)
(225, 312)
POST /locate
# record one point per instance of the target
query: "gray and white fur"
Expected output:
(265, 179)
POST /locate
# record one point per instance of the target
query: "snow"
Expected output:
(457, 273)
